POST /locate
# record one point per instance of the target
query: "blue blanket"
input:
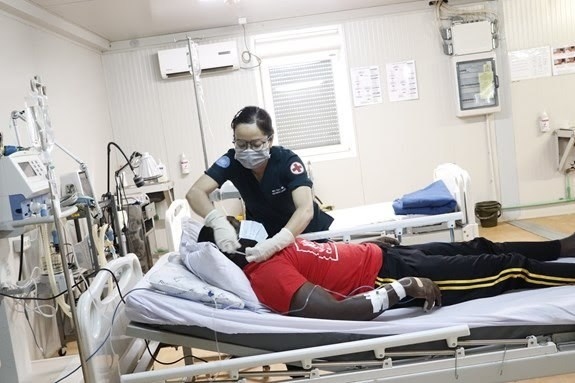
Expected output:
(433, 199)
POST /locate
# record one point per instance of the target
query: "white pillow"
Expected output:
(206, 261)
(190, 231)
(175, 279)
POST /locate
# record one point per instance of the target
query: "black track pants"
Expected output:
(478, 268)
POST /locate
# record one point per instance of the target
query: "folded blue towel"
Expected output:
(433, 199)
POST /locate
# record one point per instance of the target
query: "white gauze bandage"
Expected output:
(399, 289)
(379, 300)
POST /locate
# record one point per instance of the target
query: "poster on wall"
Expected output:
(402, 81)
(530, 63)
(366, 85)
(563, 60)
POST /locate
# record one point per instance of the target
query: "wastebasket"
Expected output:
(488, 212)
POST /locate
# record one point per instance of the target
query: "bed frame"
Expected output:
(380, 219)
(177, 210)
(102, 325)
(119, 351)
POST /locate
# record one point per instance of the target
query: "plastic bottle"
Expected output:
(544, 124)
(184, 164)
(43, 210)
(163, 172)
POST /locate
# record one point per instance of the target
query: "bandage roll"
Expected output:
(399, 289)
(379, 300)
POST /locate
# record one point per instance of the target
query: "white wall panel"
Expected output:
(531, 24)
(399, 143)
(78, 109)
(160, 115)
(76, 92)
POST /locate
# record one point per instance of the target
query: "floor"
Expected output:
(549, 226)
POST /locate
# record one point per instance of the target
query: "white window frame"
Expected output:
(284, 53)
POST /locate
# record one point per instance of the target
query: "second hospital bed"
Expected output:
(380, 218)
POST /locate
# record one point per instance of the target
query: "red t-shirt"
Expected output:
(341, 268)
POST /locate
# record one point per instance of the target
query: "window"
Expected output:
(305, 88)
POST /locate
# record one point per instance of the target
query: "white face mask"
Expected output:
(251, 159)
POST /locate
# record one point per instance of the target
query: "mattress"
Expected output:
(380, 217)
(364, 215)
(542, 307)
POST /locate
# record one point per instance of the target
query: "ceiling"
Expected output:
(118, 20)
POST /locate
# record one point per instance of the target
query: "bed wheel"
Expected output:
(62, 351)
(266, 368)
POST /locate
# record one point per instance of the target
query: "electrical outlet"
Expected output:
(242, 20)
(16, 244)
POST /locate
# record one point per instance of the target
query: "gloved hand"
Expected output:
(264, 250)
(224, 233)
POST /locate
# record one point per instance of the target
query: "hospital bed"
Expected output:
(509, 337)
(380, 218)
(513, 336)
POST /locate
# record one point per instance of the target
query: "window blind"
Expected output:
(305, 105)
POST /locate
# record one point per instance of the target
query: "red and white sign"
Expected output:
(296, 168)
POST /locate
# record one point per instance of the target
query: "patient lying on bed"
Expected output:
(337, 280)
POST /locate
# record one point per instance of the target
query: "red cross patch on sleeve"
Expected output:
(296, 168)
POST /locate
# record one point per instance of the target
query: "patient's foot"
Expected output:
(568, 246)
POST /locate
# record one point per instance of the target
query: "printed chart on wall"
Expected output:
(366, 85)
(402, 81)
(564, 60)
(530, 63)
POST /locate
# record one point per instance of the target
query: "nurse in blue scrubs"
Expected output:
(272, 181)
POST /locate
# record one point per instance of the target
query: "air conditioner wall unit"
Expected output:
(174, 63)
(213, 58)
(218, 56)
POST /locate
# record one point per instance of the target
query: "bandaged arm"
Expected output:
(300, 219)
(312, 301)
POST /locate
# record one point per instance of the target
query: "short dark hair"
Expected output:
(206, 234)
(254, 114)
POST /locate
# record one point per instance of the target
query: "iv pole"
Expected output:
(40, 91)
(191, 50)
(83, 167)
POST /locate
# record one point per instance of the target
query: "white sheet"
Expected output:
(380, 217)
(365, 215)
(547, 306)
(375, 213)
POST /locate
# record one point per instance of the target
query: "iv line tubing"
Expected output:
(198, 103)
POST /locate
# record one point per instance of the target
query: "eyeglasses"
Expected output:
(256, 145)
